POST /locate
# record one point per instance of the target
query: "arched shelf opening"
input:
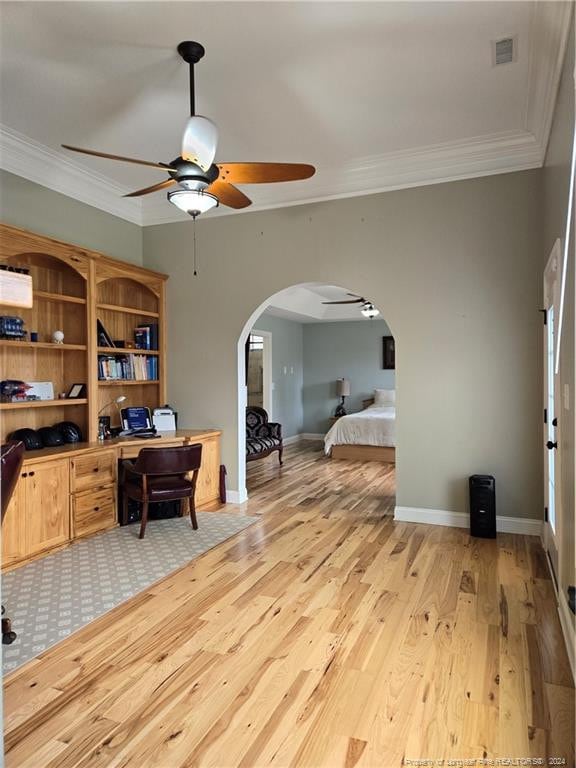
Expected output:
(60, 295)
(124, 294)
(128, 344)
(52, 277)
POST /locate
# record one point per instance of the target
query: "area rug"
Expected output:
(53, 597)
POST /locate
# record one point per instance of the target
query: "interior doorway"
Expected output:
(259, 383)
(325, 336)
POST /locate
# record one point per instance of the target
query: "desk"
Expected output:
(70, 491)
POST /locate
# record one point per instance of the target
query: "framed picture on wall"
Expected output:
(388, 353)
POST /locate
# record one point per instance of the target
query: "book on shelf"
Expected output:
(104, 338)
(146, 336)
(127, 368)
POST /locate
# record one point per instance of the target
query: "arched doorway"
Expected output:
(327, 310)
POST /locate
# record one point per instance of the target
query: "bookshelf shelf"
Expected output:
(128, 310)
(125, 351)
(43, 345)
(47, 296)
(43, 404)
(124, 382)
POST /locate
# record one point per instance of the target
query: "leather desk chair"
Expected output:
(161, 474)
(11, 456)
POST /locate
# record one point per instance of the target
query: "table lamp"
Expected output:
(104, 421)
(342, 390)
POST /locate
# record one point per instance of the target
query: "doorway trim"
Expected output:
(267, 383)
(552, 527)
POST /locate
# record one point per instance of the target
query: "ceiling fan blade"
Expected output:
(264, 173)
(354, 301)
(153, 188)
(163, 166)
(228, 195)
(200, 141)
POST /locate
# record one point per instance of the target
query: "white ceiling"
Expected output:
(304, 304)
(377, 95)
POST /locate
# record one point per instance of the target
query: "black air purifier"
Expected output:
(482, 506)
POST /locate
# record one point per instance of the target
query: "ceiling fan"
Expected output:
(368, 309)
(200, 183)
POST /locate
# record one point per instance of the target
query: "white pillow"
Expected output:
(384, 397)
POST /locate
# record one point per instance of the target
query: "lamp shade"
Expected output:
(343, 387)
(192, 201)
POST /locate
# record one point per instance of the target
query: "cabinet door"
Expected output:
(14, 525)
(47, 505)
(207, 488)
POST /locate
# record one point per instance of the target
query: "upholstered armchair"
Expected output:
(262, 436)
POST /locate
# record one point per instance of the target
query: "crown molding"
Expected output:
(482, 156)
(52, 169)
(550, 31)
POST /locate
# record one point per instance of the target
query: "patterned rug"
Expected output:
(53, 597)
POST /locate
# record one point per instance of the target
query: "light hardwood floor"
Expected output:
(324, 635)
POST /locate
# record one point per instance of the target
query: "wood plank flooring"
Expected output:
(324, 635)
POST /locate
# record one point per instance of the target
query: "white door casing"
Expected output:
(552, 409)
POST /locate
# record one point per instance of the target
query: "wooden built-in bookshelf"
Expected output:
(73, 289)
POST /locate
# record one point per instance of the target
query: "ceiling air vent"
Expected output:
(504, 51)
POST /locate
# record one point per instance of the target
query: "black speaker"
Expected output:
(482, 506)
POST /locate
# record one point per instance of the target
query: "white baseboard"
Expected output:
(236, 497)
(568, 631)
(462, 520)
(291, 440)
(564, 614)
(312, 436)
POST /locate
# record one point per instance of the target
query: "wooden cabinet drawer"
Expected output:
(131, 451)
(94, 510)
(93, 470)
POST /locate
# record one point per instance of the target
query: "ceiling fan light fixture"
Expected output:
(192, 201)
(369, 310)
(200, 141)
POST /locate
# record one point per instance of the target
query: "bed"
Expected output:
(369, 435)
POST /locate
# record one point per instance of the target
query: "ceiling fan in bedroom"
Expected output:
(200, 184)
(368, 308)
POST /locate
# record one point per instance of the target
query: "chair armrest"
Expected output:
(275, 429)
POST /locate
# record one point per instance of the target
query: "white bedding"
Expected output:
(375, 425)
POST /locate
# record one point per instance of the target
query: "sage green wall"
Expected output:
(287, 407)
(556, 186)
(349, 350)
(457, 267)
(39, 209)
